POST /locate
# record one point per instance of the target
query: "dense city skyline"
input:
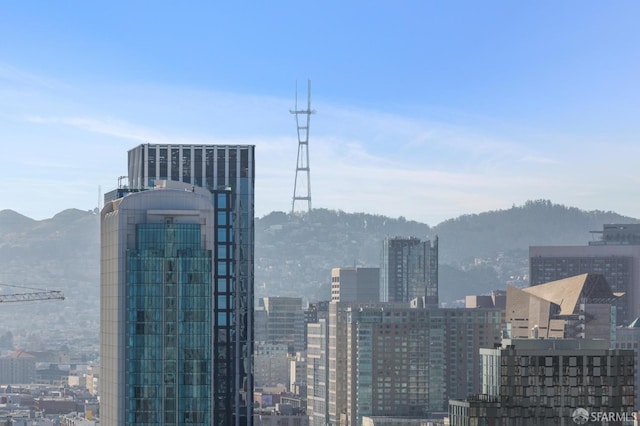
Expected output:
(446, 109)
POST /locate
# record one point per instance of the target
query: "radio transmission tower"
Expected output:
(302, 164)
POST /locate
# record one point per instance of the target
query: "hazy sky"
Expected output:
(425, 109)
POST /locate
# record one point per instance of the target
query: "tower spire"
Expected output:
(302, 163)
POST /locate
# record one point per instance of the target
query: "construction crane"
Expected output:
(37, 294)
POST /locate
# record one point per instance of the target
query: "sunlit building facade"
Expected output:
(616, 255)
(317, 367)
(629, 338)
(177, 290)
(558, 367)
(397, 359)
(543, 382)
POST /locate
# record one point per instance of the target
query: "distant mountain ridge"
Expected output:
(294, 254)
(59, 253)
(477, 253)
(537, 222)
(13, 221)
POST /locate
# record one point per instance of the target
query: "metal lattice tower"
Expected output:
(302, 164)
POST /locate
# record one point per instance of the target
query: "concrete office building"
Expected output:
(177, 288)
(19, 367)
(280, 320)
(400, 421)
(479, 409)
(544, 382)
(577, 307)
(618, 234)
(281, 415)
(409, 269)
(270, 364)
(298, 375)
(616, 255)
(536, 382)
(402, 361)
(628, 337)
(497, 299)
(317, 373)
(337, 327)
(410, 361)
(355, 284)
(391, 368)
(313, 313)
(557, 362)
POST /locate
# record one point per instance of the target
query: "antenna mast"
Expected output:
(302, 164)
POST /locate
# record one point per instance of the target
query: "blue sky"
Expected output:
(425, 109)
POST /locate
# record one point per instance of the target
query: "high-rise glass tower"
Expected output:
(177, 289)
(409, 269)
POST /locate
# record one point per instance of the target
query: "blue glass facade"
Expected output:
(180, 304)
(177, 288)
(409, 269)
(224, 324)
(168, 336)
(214, 167)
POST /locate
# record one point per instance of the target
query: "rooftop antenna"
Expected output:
(302, 164)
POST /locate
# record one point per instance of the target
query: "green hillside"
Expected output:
(295, 253)
(478, 253)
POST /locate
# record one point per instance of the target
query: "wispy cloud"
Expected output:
(361, 160)
(539, 160)
(108, 126)
(355, 175)
(19, 77)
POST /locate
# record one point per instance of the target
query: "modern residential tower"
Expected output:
(546, 382)
(397, 359)
(317, 373)
(558, 366)
(409, 269)
(177, 288)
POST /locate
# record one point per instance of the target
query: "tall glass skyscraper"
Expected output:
(177, 289)
(409, 269)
